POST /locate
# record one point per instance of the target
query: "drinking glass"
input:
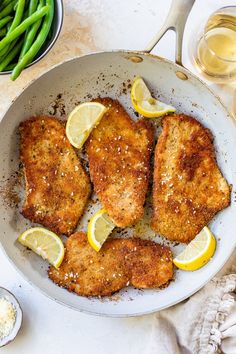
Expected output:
(215, 50)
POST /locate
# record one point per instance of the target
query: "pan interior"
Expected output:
(110, 74)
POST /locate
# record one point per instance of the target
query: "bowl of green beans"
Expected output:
(28, 30)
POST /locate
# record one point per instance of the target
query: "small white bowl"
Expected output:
(4, 293)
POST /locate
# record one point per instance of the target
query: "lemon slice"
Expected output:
(145, 104)
(82, 120)
(99, 228)
(198, 252)
(45, 243)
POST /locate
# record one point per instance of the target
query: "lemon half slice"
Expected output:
(198, 252)
(99, 228)
(145, 104)
(82, 120)
(44, 243)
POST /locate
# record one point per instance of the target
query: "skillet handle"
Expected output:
(176, 20)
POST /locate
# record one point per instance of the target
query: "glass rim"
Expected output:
(222, 9)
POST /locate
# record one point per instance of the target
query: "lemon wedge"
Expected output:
(198, 252)
(144, 103)
(99, 228)
(44, 243)
(82, 120)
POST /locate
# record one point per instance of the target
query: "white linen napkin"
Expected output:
(202, 324)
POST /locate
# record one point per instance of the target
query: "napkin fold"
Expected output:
(203, 324)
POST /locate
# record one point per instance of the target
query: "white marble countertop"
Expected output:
(92, 25)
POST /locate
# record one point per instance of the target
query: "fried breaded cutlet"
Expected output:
(189, 188)
(57, 187)
(119, 160)
(120, 262)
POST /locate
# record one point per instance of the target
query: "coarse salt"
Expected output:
(7, 317)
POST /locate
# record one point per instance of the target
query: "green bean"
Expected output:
(16, 21)
(23, 26)
(25, 15)
(29, 38)
(11, 55)
(7, 10)
(6, 52)
(34, 49)
(10, 67)
(31, 9)
(9, 25)
(18, 15)
(4, 4)
(32, 6)
(3, 32)
(15, 6)
(7, 49)
(5, 20)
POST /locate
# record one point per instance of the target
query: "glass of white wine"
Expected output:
(215, 52)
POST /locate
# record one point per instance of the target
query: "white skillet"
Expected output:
(106, 74)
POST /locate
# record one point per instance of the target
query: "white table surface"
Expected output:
(92, 25)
